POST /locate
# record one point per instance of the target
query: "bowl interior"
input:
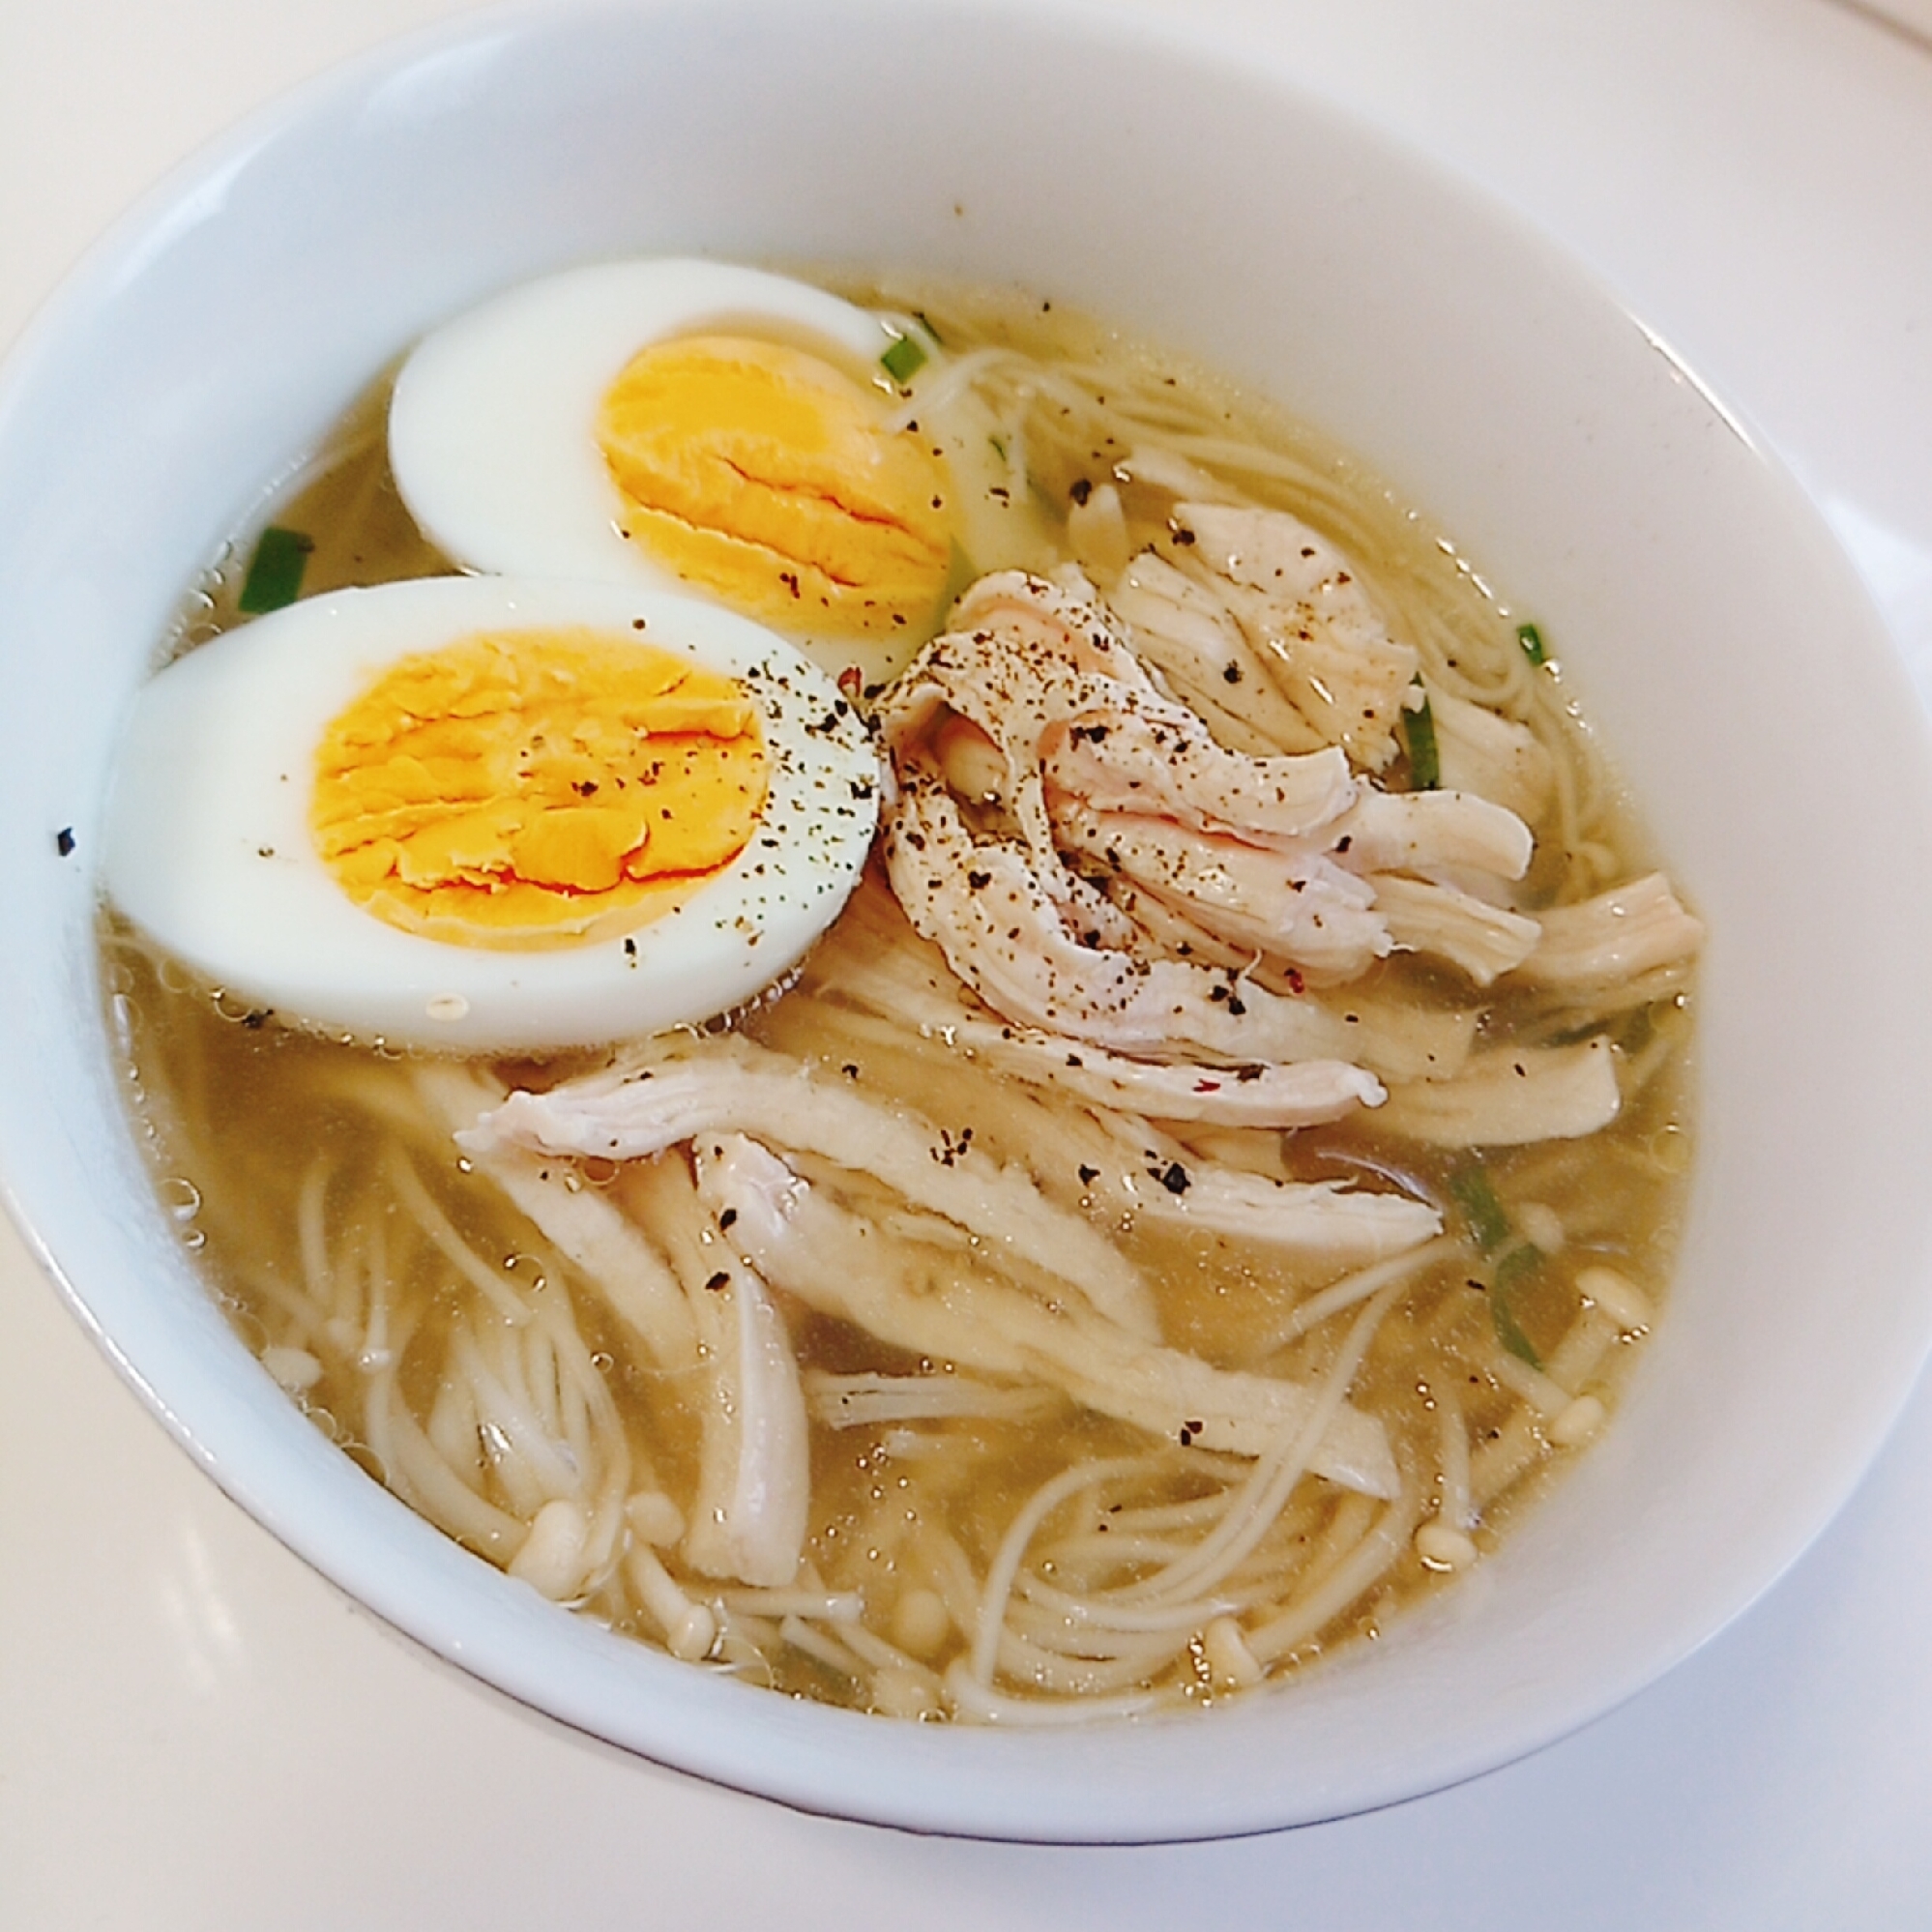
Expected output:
(1705, 621)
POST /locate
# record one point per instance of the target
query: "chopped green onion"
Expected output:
(1532, 641)
(1636, 1031)
(275, 571)
(1518, 1266)
(903, 359)
(1470, 1189)
(1519, 1260)
(1426, 765)
(1515, 1268)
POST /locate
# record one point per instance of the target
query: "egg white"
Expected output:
(492, 428)
(207, 846)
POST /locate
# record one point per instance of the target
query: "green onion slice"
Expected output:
(1512, 1271)
(903, 359)
(1470, 1189)
(1518, 1263)
(275, 571)
(1517, 1267)
(1532, 641)
(1418, 731)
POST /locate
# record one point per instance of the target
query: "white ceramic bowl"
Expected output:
(1713, 632)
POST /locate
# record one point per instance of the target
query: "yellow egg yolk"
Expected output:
(771, 480)
(535, 788)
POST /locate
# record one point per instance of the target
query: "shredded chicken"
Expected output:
(1304, 611)
(889, 983)
(732, 1086)
(1155, 1178)
(1630, 929)
(810, 1247)
(1480, 750)
(1187, 633)
(1483, 940)
(1316, 915)
(1400, 1040)
(1003, 935)
(1129, 762)
(1511, 1096)
(1431, 832)
(1035, 702)
(753, 1499)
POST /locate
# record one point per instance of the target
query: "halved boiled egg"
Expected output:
(490, 814)
(681, 423)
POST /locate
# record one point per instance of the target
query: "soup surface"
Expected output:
(1224, 1155)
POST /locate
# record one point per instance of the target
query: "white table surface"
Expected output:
(196, 1731)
